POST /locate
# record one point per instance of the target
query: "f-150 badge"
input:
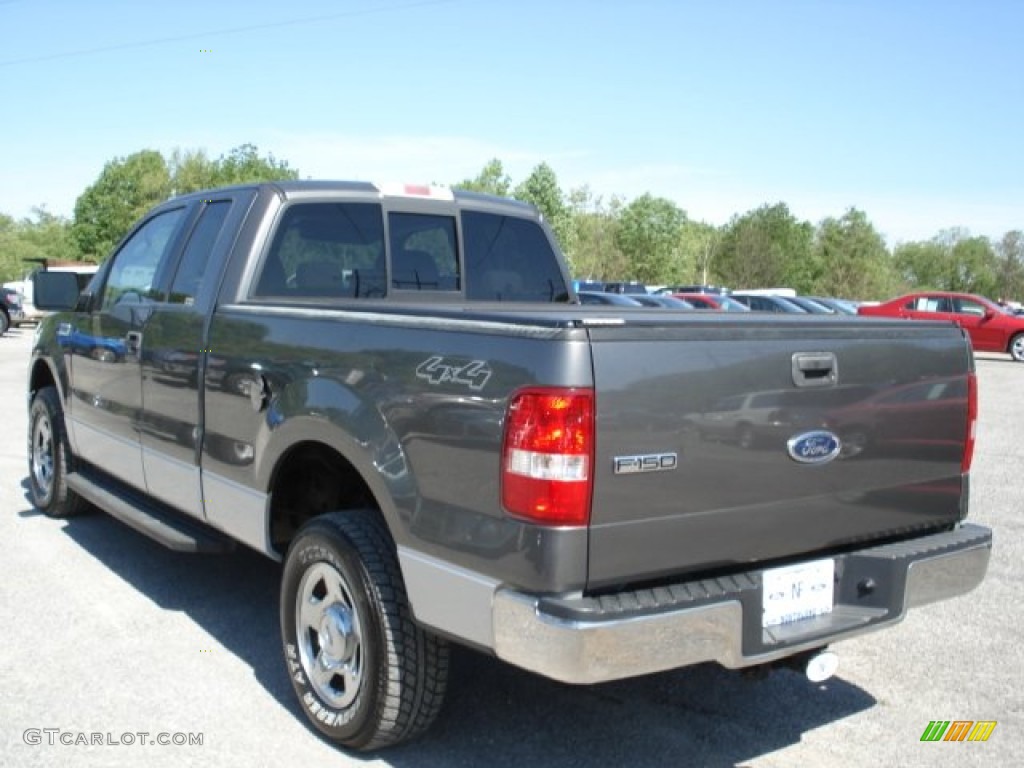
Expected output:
(651, 462)
(436, 371)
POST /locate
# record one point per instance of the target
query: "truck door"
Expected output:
(174, 356)
(105, 344)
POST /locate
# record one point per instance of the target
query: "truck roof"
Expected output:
(310, 188)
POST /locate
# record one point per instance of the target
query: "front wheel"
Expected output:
(5, 322)
(367, 676)
(50, 458)
(1016, 348)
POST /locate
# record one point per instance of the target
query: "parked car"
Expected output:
(753, 419)
(768, 303)
(587, 285)
(630, 287)
(841, 306)
(991, 327)
(660, 300)
(880, 424)
(810, 305)
(715, 289)
(599, 297)
(11, 312)
(712, 301)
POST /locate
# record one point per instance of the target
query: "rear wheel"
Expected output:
(50, 458)
(5, 322)
(367, 676)
(1016, 348)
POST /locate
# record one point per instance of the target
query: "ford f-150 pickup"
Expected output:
(395, 393)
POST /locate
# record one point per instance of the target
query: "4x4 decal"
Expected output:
(435, 370)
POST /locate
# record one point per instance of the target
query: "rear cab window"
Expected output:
(361, 250)
(510, 259)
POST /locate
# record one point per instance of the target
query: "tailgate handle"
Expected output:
(815, 369)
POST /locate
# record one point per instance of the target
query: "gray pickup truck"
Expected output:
(394, 392)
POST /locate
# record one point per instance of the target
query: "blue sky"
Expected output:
(911, 111)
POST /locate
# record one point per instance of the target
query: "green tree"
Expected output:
(40, 236)
(699, 244)
(541, 189)
(193, 170)
(243, 165)
(1010, 266)
(973, 263)
(921, 264)
(594, 225)
(492, 180)
(649, 234)
(953, 260)
(126, 188)
(767, 248)
(855, 262)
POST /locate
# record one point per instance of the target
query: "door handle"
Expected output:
(815, 369)
(133, 342)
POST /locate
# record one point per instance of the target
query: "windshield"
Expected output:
(731, 305)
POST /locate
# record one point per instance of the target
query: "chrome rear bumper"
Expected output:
(591, 640)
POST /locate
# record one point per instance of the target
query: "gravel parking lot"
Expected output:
(106, 632)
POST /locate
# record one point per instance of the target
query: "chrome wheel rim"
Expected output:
(1017, 348)
(42, 454)
(330, 635)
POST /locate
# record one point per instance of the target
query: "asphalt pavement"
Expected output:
(107, 636)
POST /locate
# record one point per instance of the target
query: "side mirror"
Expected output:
(989, 313)
(55, 291)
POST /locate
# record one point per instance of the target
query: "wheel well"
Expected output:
(312, 479)
(42, 376)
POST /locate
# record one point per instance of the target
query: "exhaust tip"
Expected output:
(821, 666)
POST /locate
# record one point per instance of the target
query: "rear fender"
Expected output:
(326, 411)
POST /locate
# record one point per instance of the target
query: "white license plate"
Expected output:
(796, 592)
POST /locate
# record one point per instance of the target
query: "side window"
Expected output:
(137, 264)
(197, 253)
(423, 252)
(933, 304)
(509, 259)
(970, 307)
(326, 250)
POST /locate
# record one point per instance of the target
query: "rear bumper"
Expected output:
(590, 640)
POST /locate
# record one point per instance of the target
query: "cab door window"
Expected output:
(136, 268)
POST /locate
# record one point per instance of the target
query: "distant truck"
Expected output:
(395, 393)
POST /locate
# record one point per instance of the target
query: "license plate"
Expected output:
(796, 592)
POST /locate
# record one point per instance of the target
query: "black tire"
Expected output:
(50, 458)
(5, 322)
(1016, 347)
(366, 675)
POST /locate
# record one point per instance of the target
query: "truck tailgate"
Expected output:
(761, 440)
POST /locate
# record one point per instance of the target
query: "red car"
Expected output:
(713, 301)
(991, 328)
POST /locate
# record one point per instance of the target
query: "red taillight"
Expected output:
(548, 455)
(972, 421)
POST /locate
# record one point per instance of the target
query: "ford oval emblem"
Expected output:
(818, 447)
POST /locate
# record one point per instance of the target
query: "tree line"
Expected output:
(649, 239)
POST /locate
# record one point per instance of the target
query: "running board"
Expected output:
(149, 518)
